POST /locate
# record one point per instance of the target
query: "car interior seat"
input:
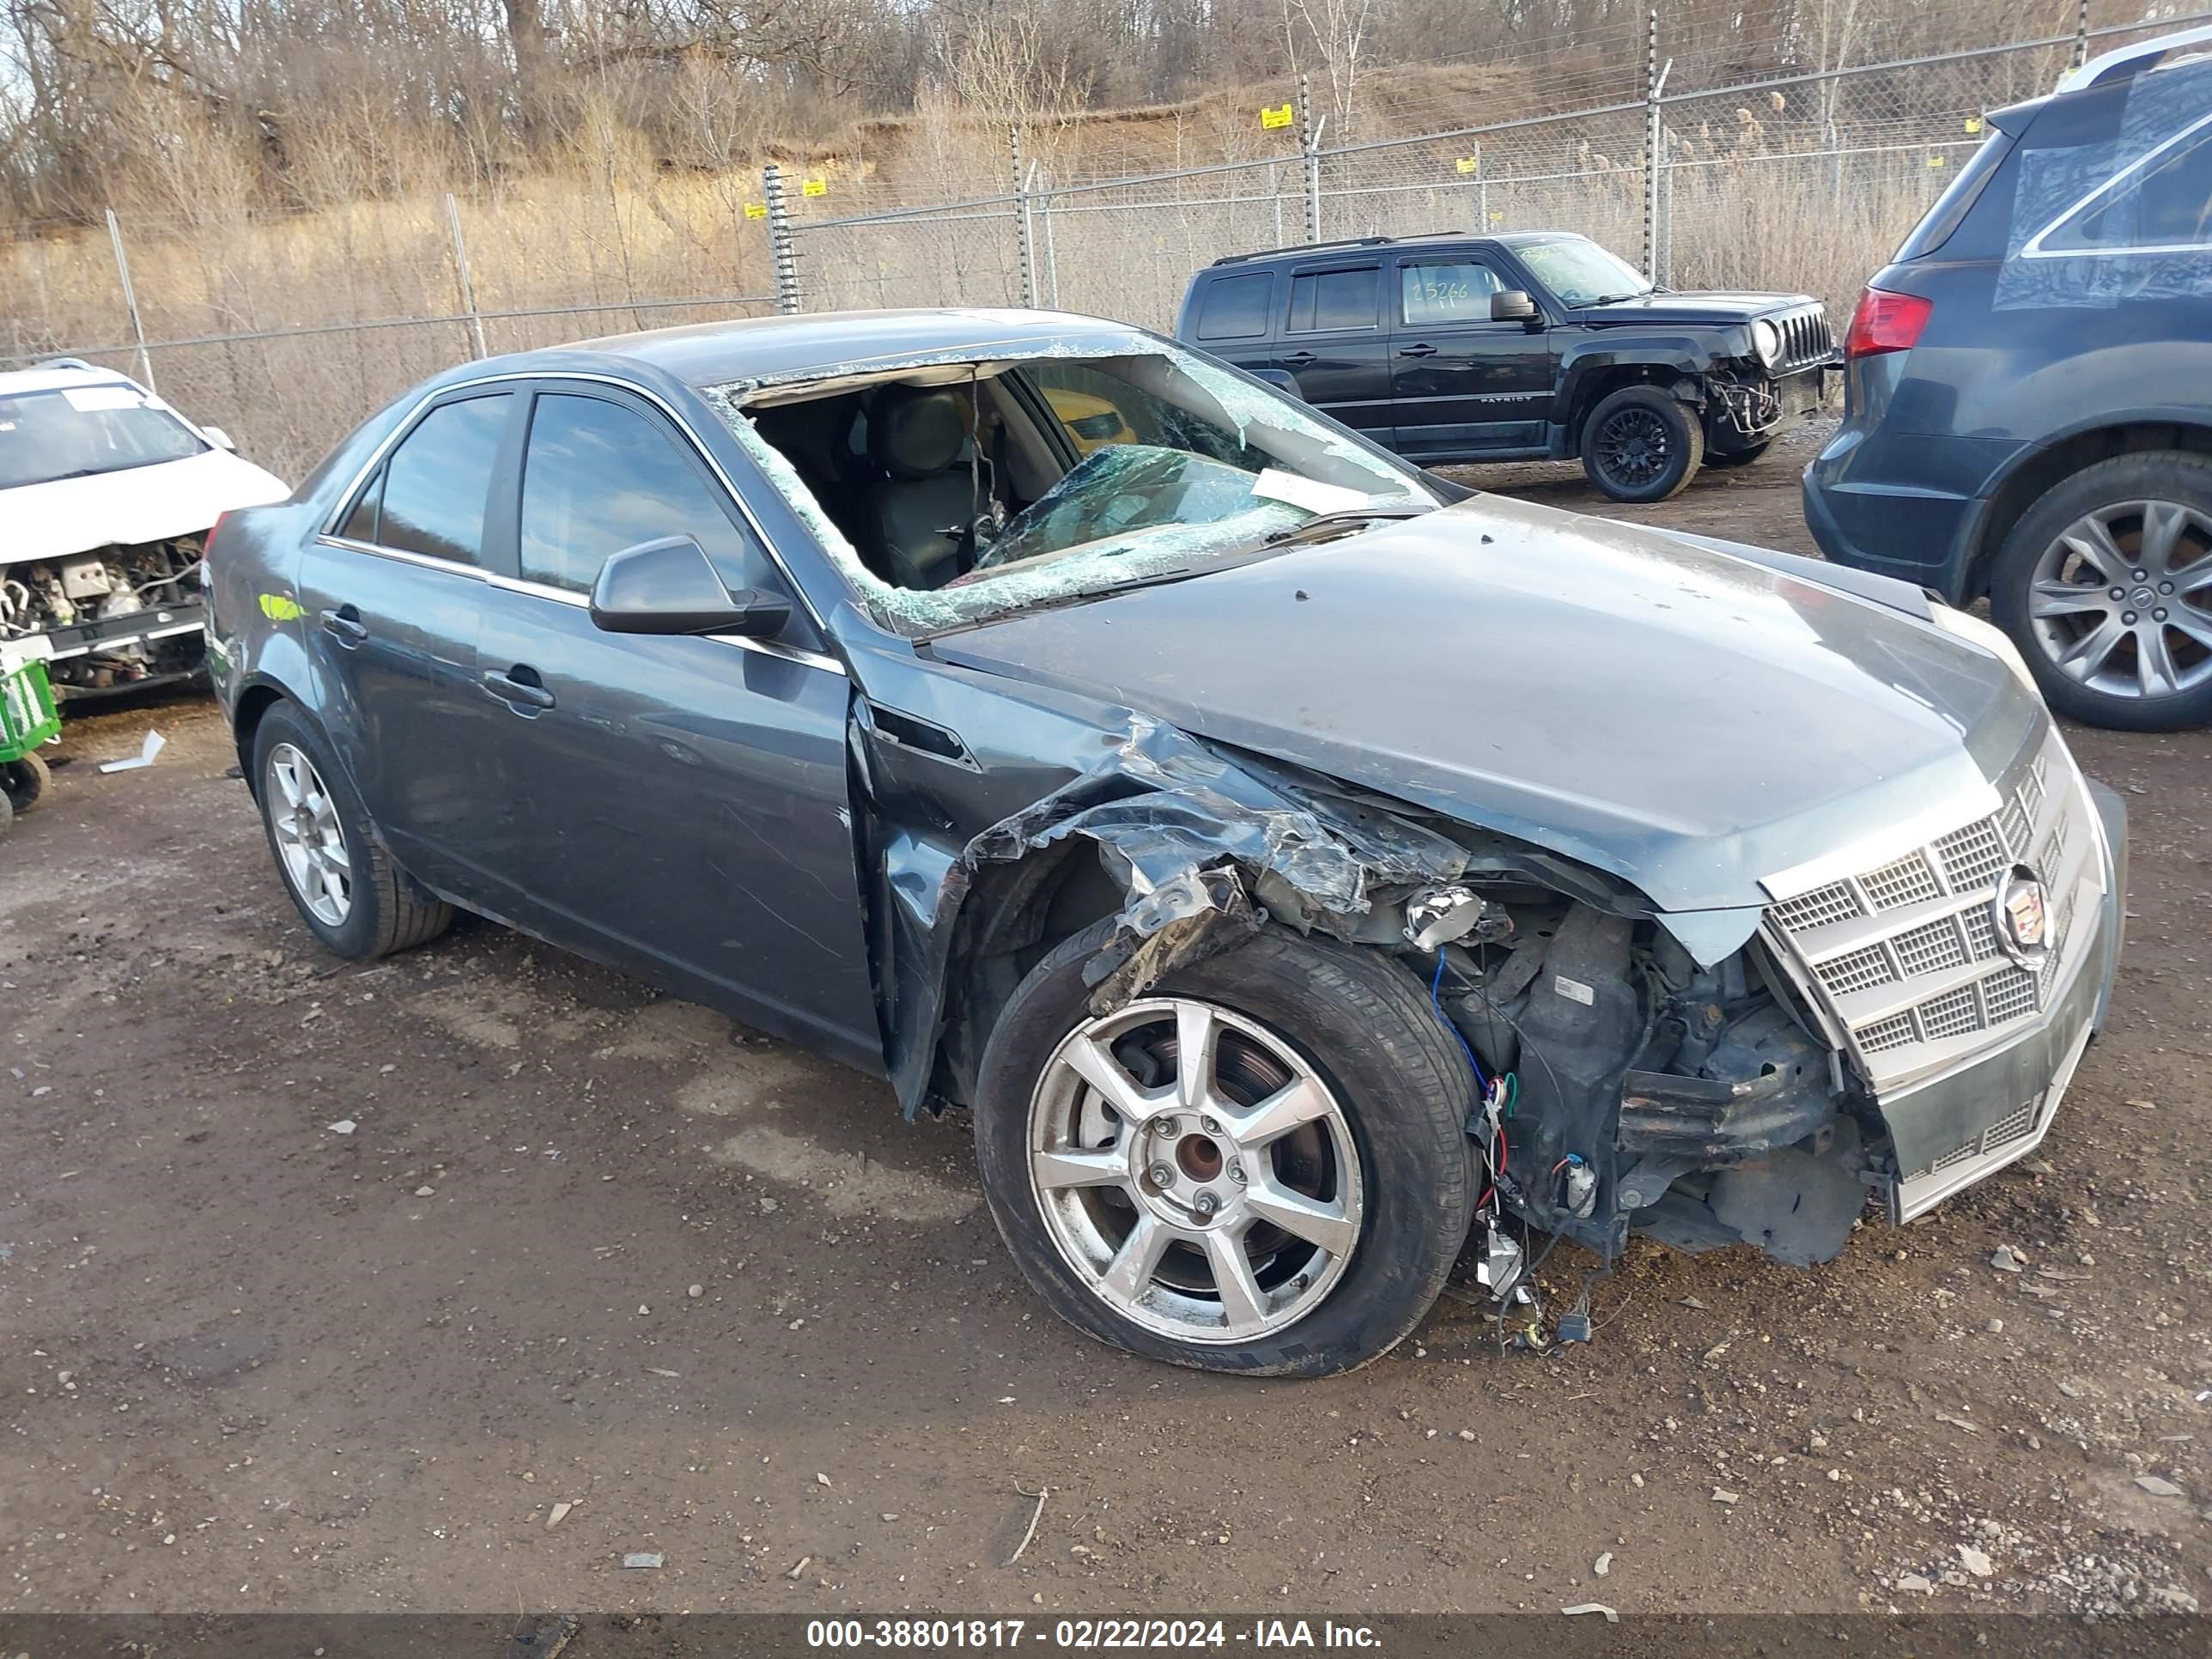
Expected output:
(922, 492)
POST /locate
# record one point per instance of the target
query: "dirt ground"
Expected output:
(592, 1252)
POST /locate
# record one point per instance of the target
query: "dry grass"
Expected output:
(615, 232)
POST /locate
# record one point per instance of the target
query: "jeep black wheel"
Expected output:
(1640, 445)
(2105, 585)
(1261, 1167)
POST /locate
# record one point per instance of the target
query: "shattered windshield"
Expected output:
(949, 493)
(1581, 273)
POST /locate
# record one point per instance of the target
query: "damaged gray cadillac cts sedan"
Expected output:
(1302, 868)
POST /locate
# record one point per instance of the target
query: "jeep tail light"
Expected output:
(1885, 322)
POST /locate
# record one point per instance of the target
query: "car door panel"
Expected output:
(392, 634)
(1463, 384)
(1334, 348)
(676, 805)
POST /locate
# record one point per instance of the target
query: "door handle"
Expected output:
(1298, 360)
(517, 693)
(345, 626)
(1417, 351)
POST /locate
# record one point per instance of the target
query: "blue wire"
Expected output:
(1437, 1000)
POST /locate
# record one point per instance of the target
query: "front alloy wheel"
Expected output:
(1195, 1171)
(1261, 1167)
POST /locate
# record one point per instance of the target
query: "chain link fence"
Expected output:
(286, 329)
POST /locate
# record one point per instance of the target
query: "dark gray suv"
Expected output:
(2028, 409)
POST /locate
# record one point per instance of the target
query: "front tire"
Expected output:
(347, 889)
(1260, 1168)
(1641, 446)
(2105, 585)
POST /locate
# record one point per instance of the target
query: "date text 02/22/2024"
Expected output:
(1086, 1634)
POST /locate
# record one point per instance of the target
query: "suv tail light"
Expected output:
(1887, 322)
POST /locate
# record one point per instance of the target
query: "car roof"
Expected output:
(1351, 246)
(751, 348)
(53, 377)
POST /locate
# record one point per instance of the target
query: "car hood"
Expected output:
(136, 504)
(1688, 719)
(1709, 307)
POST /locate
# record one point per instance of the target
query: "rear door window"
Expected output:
(1335, 299)
(599, 477)
(435, 483)
(1235, 308)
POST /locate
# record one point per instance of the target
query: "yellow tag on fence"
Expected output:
(756, 210)
(815, 187)
(1280, 116)
(1973, 124)
(1936, 161)
(1469, 164)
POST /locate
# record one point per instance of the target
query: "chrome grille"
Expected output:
(1926, 950)
(1973, 856)
(1950, 1014)
(1855, 953)
(1858, 971)
(2007, 1130)
(1805, 339)
(1833, 902)
(1908, 881)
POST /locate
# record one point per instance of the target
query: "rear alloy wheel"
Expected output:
(1640, 445)
(1260, 1168)
(2106, 585)
(347, 888)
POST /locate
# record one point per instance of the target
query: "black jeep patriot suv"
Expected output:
(1536, 346)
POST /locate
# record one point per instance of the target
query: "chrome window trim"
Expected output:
(406, 424)
(569, 597)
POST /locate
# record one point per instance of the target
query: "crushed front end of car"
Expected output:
(1900, 1020)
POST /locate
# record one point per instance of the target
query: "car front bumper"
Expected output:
(2001, 1106)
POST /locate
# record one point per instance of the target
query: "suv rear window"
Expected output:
(1235, 308)
(1334, 299)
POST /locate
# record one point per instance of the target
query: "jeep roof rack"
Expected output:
(1317, 247)
(2126, 63)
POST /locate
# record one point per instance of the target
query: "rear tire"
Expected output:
(344, 884)
(22, 782)
(2138, 527)
(1641, 446)
(1371, 1183)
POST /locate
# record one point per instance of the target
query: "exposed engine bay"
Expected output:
(117, 617)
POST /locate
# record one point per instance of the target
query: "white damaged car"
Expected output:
(107, 495)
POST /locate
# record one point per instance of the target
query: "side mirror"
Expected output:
(1512, 305)
(219, 438)
(670, 586)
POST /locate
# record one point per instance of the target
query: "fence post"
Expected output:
(2080, 34)
(131, 300)
(1652, 146)
(461, 270)
(1051, 250)
(1025, 232)
(1309, 142)
(783, 247)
